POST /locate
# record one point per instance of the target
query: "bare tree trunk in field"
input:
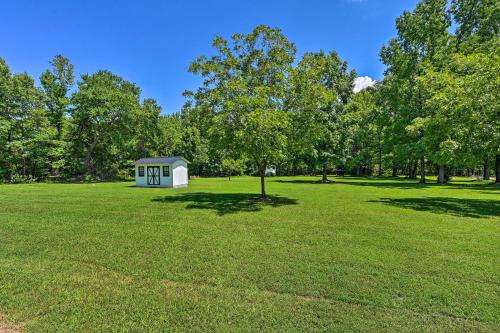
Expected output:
(262, 183)
(325, 174)
(422, 169)
(497, 169)
(486, 170)
(441, 176)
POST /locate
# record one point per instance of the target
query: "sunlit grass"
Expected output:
(355, 254)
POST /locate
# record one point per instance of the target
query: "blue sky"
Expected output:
(152, 43)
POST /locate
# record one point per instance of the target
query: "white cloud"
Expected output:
(363, 82)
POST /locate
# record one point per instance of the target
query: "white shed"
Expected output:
(161, 172)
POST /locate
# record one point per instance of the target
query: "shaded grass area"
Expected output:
(354, 255)
(225, 203)
(476, 208)
(400, 183)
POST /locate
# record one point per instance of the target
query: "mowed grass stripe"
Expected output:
(84, 291)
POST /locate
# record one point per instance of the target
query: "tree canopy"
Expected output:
(435, 111)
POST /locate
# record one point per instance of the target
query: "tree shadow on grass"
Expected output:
(477, 208)
(396, 183)
(226, 203)
(357, 181)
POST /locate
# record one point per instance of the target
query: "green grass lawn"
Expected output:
(354, 255)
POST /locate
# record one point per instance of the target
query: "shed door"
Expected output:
(153, 175)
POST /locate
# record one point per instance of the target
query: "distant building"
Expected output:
(161, 172)
(271, 170)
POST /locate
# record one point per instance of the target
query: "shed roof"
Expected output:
(160, 160)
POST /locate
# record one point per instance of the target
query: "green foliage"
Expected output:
(245, 88)
(56, 84)
(364, 122)
(233, 167)
(322, 85)
(20, 179)
(476, 19)
(103, 111)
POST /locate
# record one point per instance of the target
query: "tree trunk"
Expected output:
(89, 166)
(59, 130)
(394, 172)
(486, 170)
(325, 173)
(263, 184)
(442, 175)
(414, 168)
(380, 162)
(497, 169)
(422, 169)
(87, 163)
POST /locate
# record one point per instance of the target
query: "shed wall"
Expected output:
(143, 181)
(180, 173)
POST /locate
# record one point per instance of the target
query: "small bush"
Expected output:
(20, 179)
(88, 179)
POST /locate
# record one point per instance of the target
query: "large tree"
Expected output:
(25, 134)
(146, 132)
(56, 84)
(474, 68)
(102, 122)
(365, 124)
(322, 86)
(6, 117)
(421, 40)
(245, 85)
(464, 97)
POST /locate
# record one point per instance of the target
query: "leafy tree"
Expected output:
(56, 84)
(477, 19)
(466, 102)
(104, 107)
(231, 166)
(245, 85)
(478, 27)
(7, 118)
(365, 125)
(422, 41)
(322, 85)
(170, 140)
(24, 128)
(195, 143)
(146, 132)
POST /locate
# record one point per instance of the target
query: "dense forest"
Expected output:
(435, 112)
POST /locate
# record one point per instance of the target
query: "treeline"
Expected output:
(435, 112)
(69, 130)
